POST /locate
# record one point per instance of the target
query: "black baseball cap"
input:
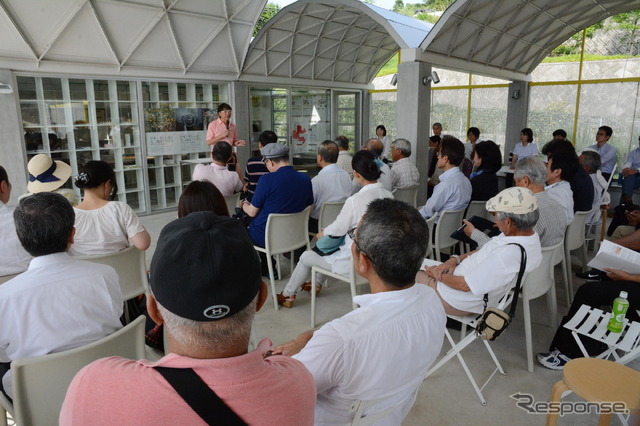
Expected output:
(205, 267)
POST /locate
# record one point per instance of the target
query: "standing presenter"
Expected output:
(223, 129)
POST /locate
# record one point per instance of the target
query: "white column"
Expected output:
(517, 110)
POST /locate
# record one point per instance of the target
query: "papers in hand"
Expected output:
(614, 256)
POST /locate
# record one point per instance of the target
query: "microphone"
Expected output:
(228, 124)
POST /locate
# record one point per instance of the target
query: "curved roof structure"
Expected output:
(336, 40)
(192, 38)
(509, 38)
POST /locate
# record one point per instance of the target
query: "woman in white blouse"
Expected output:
(526, 147)
(381, 134)
(366, 171)
(104, 226)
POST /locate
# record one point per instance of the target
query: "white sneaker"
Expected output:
(553, 360)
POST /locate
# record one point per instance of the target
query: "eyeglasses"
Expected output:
(352, 234)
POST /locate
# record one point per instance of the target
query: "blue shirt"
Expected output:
(283, 191)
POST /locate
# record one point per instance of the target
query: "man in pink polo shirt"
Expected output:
(225, 180)
(223, 129)
(206, 288)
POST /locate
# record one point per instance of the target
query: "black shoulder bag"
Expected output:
(493, 321)
(200, 397)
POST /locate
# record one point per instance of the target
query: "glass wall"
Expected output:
(77, 120)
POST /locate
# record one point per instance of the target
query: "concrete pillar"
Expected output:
(361, 137)
(240, 103)
(414, 104)
(517, 111)
(12, 150)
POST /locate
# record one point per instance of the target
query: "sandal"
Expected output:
(286, 301)
(307, 287)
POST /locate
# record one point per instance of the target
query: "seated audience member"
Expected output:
(201, 197)
(58, 303)
(487, 161)
(208, 309)
(283, 190)
(633, 218)
(560, 168)
(630, 177)
(525, 148)
(344, 158)
(608, 153)
(225, 180)
(437, 129)
(599, 295)
(366, 173)
(559, 135)
(454, 190)
(473, 134)
(381, 133)
(531, 173)
(462, 281)
(630, 241)
(256, 166)
(590, 162)
(384, 348)
(375, 146)
(581, 185)
(103, 226)
(331, 184)
(13, 257)
(404, 172)
(46, 175)
(434, 171)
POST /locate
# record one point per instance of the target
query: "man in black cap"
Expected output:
(206, 289)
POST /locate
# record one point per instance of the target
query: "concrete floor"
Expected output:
(446, 397)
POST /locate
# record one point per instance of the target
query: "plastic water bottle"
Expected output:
(620, 306)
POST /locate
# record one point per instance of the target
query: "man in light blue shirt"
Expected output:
(630, 178)
(608, 154)
(454, 190)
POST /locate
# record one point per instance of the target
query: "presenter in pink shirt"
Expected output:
(223, 129)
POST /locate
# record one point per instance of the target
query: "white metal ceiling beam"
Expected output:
(103, 29)
(160, 13)
(18, 30)
(61, 28)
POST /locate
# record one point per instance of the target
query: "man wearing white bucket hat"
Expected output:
(47, 175)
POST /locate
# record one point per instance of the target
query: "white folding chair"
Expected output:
(590, 232)
(592, 323)
(478, 208)
(573, 240)
(353, 279)
(232, 201)
(131, 267)
(329, 211)
(448, 222)
(360, 419)
(466, 340)
(5, 278)
(409, 195)
(284, 233)
(538, 283)
(40, 383)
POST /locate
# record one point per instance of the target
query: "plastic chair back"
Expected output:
(131, 267)
(408, 195)
(40, 383)
(287, 232)
(448, 222)
(329, 211)
(232, 201)
(574, 238)
(540, 280)
(478, 208)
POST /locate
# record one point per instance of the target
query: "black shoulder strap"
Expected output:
(200, 397)
(516, 291)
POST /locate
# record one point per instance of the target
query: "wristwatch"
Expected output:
(456, 257)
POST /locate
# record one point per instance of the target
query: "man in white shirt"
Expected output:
(13, 257)
(344, 158)
(463, 281)
(58, 303)
(225, 180)
(404, 173)
(331, 184)
(608, 154)
(560, 169)
(384, 348)
(376, 146)
(454, 190)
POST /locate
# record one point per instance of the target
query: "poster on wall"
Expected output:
(173, 131)
(309, 117)
(173, 143)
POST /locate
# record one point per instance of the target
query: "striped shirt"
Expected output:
(252, 173)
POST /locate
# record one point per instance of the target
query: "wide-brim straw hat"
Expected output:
(46, 175)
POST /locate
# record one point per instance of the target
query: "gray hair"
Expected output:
(590, 159)
(521, 221)
(43, 223)
(394, 236)
(404, 146)
(328, 151)
(533, 168)
(202, 335)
